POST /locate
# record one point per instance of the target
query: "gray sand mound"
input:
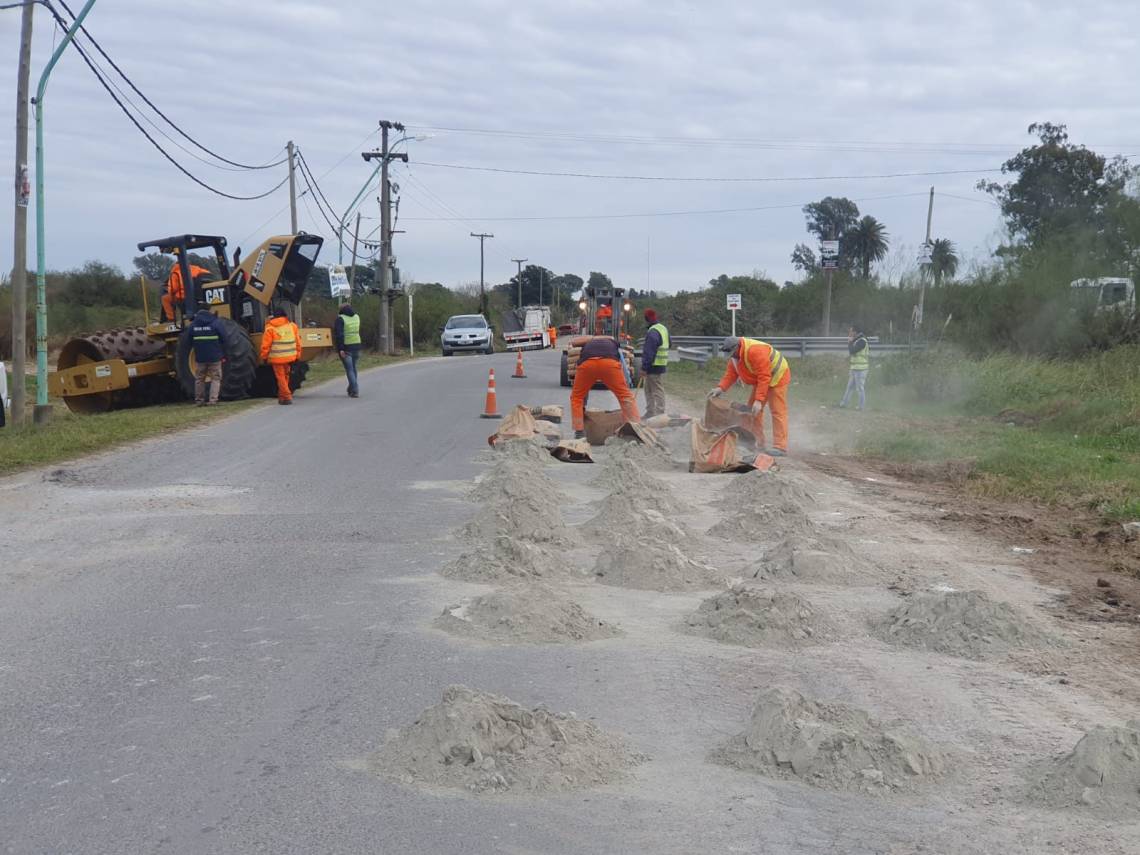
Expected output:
(765, 523)
(626, 474)
(811, 559)
(960, 623)
(518, 500)
(531, 614)
(649, 456)
(533, 450)
(1103, 770)
(618, 516)
(763, 488)
(753, 618)
(488, 744)
(828, 745)
(650, 565)
(504, 558)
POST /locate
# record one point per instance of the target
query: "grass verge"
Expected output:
(68, 436)
(1065, 433)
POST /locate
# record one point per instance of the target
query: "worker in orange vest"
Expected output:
(603, 314)
(175, 292)
(600, 361)
(281, 347)
(759, 365)
(553, 333)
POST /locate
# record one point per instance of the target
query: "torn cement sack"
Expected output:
(520, 424)
(721, 414)
(729, 450)
(601, 425)
(572, 451)
(549, 412)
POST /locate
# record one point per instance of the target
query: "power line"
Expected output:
(94, 70)
(726, 180)
(312, 184)
(153, 106)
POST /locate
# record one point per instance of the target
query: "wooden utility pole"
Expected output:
(20, 238)
(482, 288)
(926, 268)
(355, 242)
(386, 156)
(520, 262)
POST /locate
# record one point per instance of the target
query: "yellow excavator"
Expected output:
(155, 363)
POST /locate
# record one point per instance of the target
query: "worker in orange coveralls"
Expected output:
(175, 293)
(759, 365)
(553, 334)
(281, 347)
(603, 314)
(600, 361)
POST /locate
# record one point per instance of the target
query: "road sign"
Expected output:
(733, 302)
(829, 254)
(338, 281)
(926, 253)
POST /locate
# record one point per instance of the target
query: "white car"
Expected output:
(467, 332)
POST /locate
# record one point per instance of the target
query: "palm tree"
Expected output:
(866, 242)
(943, 260)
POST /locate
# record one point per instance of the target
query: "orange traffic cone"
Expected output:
(491, 408)
(519, 372)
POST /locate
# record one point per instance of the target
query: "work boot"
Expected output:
(776, 452)
(283, 401)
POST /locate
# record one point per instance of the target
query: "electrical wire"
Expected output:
(165, 118)
(94, 70)
(313, 185)
(705, 179)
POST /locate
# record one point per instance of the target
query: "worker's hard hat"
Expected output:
(729, 344)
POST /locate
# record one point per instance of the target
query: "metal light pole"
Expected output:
(42, 411)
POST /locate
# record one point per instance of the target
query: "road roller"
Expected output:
(154, 363)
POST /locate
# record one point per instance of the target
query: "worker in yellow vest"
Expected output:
(281, 347)
(346, 339)
(859, 353)
(759, 365)
(654, 364)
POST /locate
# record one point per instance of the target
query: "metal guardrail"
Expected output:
(687, 346)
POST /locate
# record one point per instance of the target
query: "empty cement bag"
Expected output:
(572, 451)
(730, 450)
(518, 424)
(550, 412)
(721, 414)
(601, 425)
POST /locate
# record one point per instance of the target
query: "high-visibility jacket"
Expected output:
(175, 287)
(351, 329)
(755, 363)
(661, 359)
(860, 356)
(281, 342)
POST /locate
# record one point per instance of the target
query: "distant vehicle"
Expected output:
(1106, 294)
(527, 328)
(467, 332)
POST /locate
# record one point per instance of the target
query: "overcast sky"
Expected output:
(628, 87)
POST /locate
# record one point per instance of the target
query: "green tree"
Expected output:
(831, 217)
(866, 242)
(154, 265)
(943, 260)
(803, 259)
(599, 280)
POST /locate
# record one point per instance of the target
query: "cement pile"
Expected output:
(765, 523)
(960, 623)
(533, 614)
(625, 474)
(753, 618)
(829, 745)
(516, 474)
(502, 559)
(763, 488)
(650, 456)
(619, 513)
(489, 744)
(1103, 770)
(517, 500)
(650, 565)
(811, 559)
(532, 450)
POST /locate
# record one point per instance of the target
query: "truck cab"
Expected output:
(1106, 294)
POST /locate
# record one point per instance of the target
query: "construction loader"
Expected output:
(155, 364)
(594, 322)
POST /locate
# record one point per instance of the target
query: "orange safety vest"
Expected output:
(174, 284)
(757, 359)
(279, 344)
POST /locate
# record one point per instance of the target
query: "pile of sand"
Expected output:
(619, 516)
(504, 558)
(626, 475)
(532, 614)
(1103, 770)
(960, 623)
(518, 500)
(763, 488)
(533, 450)
(811, 559)
(828, 745)
(650, 456)
(765, 523)
(753, 618)
(489, 744)
(651, 565)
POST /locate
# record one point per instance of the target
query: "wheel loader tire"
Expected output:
(265, 381)
(565, 378)
(237, 373)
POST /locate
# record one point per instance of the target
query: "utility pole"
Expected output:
(292, 190)
(827, 293)
(355, 241)
(924, 273)
(541, 276)
(482, 288)
(520, 262)
(20, 241)
(386, 156)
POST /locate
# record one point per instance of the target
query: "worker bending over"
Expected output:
(759, 365)
(600, 362)
(175, 292)
(281, 347)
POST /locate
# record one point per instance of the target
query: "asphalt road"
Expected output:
(203, 637)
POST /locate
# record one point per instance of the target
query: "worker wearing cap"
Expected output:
(346, 340)
(281, 347)
(175, 292)
(600, 361)
(759, 365)
(654, 362)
